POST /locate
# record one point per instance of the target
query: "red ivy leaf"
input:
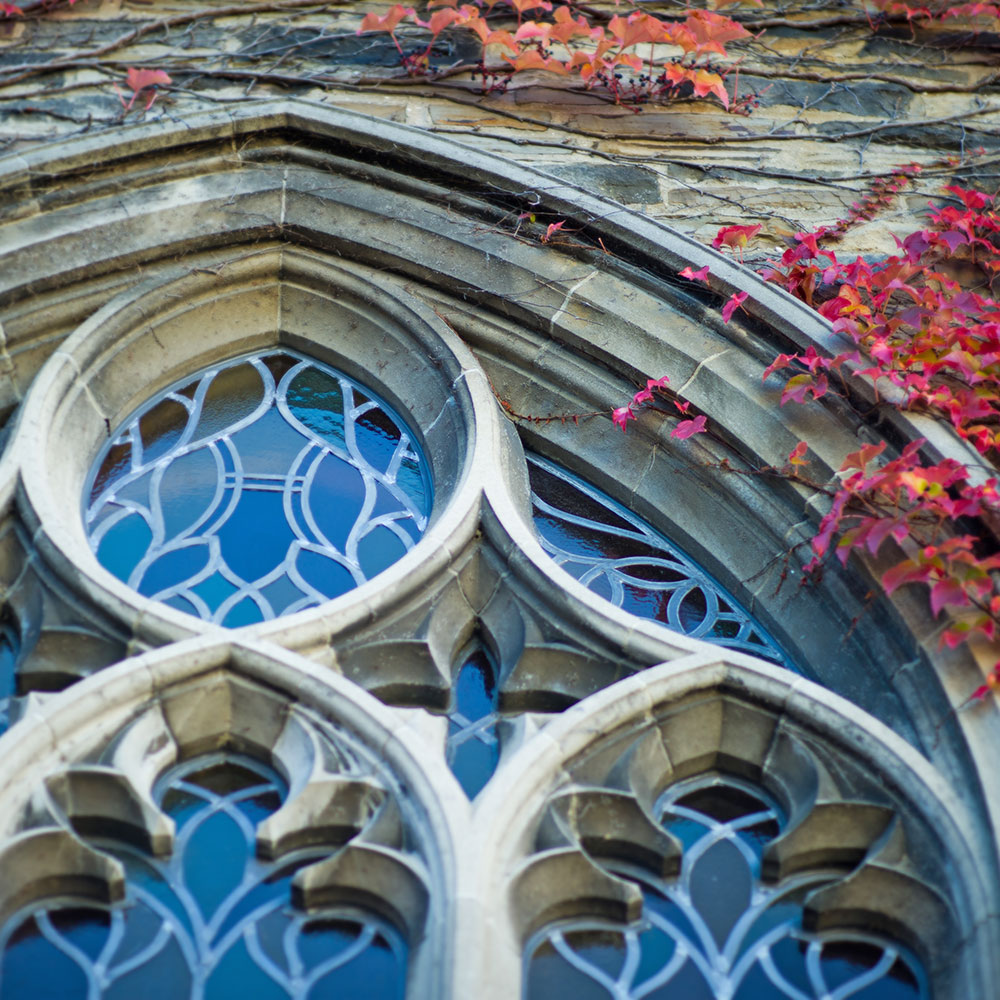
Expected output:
(735, 236)
(908, 571)
(140, 79)
(795, 456)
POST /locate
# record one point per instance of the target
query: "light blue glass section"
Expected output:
(211, 921)
(259, 487)
(626, 561)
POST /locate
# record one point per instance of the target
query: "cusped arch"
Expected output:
(902, 854)
(380, 823)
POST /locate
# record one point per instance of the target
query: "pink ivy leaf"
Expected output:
(700, 275)
(553, 228)
(908, 571)
(953, 239)
(735, 301)
(140, 80)
(781, 361)
(687, 428)
(981, 692)
(947, 591)
(622, 416)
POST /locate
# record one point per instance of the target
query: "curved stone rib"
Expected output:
(611, 826)
(100, 801)
(42, 863)
(328, 811)
(564, 883)
(888, 894)
(835, 835)
(376, 878)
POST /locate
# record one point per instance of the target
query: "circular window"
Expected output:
(257, 488)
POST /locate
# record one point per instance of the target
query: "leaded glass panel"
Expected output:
(211, 922)
(717, 932)
(258, 488)
(626, 561)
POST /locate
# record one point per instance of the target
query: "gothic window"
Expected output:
(348, 649)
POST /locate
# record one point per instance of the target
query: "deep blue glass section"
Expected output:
(626, 561)
(717, 930)
(9, 649)
(473, 749)
(212, 921)
(259, 487)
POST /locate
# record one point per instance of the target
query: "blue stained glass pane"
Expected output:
(379, 549)
(603, 950)
(160, 430)
(213, 920)
(716, 930)
(261, 486)
(85, 929)
(656, 948)
(33, 967)
(215, 862)
(255, 539)
(238, 975)
(626, 561)
(244, 612)
(187, 491)
(124, 543)
(552, 975)
(475, 689)
(215, 589)
(174, 567)
(230, 398)
(720, 888)
(323, 574)
(165, 976)
(473, 748)
(336, 522)
(9, 648)
(317, 400)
